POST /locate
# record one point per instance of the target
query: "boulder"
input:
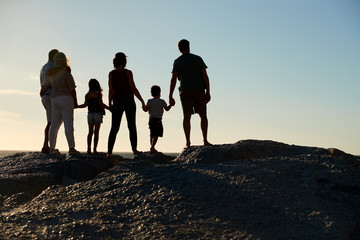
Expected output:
(249, 149)
(29, 173)
(156, 158)
(247, 190)
(33, 172)
(86, 167)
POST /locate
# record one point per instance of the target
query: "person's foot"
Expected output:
(45, 150)
(95, 152)
(109, 155)
(73, 151)
(206, 143)
(54, 151)
(153, 150)
(89, 152)
(136, 152)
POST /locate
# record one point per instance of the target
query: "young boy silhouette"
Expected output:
(155, 107)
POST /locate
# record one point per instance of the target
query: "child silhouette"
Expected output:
(155, 107)
(96, 110)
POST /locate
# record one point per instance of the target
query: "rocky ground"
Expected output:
(247, 190)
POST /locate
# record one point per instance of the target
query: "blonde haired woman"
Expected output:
(63, 102)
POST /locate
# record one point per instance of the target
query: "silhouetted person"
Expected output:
(45, 99)
(194, 88)
(63, 102)
(156, 107)
(121, 99)
(96, 110)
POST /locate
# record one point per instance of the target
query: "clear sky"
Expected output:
(279, 70)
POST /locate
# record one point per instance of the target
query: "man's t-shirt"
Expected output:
(49, 65)
(189, 68)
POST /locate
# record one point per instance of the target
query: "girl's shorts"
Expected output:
(95, 118)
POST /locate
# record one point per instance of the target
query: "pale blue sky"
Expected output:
(286, 71)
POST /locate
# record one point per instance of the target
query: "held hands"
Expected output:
(145, 108)
(171, 101)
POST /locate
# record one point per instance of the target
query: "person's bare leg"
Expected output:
(187, 129)
(89, 138)
(153, 143)
(96, 137)
(45, 147)
(204, 128)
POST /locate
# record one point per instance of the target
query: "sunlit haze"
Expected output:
(279, 70)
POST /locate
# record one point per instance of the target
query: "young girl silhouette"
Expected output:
(96, 110)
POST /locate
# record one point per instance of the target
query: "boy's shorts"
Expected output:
(193, 102)
(95, 118)
(156, 127)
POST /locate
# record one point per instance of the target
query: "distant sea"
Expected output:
(123, 154)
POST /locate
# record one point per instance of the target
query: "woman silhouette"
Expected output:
(121, 99)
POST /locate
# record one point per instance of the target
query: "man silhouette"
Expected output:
(194, 89)
(45, 99)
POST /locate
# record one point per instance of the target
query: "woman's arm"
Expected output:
(71, 85)
(55, 70)
(73, 93)
(111, 91)
(145, 108)
(133, 87)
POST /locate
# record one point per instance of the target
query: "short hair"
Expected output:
(60, 60)
(155, 91)
(184, 45)
(94, 85)
(120, 59)
(52, 54)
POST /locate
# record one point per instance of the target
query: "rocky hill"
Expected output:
(247, 190)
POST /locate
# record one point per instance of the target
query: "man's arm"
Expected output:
(207, 85)
(172, 88)
(44, 87)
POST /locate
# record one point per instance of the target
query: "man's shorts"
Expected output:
(95, 118)
(46, 101)
(193, 102)
(156, 127)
